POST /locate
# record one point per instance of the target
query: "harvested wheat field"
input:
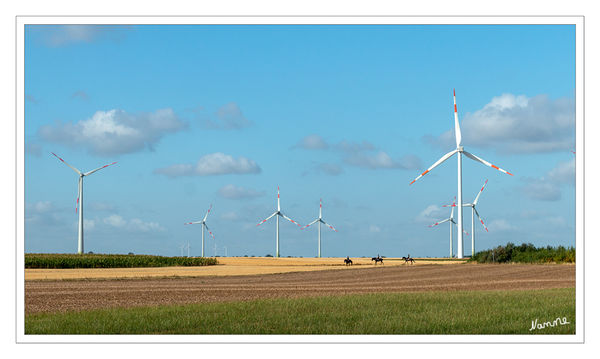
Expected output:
(227, 266)
(63, 295)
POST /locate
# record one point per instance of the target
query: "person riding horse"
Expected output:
(377, 259)
(348, 261)
(408, 259)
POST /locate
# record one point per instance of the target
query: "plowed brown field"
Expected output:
(61, 295)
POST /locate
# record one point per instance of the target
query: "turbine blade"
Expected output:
(445, 157)
(289, 219)
(98, 169)
(456, 125)
(437, 223)
(264, 220)
(63, 161)
(479, 194)
(198, 222)
(207, 212)
(480, 220)
(208, 229)
(278, 206)
(78, 194)
(329, 225)
(311, 223)
(475, 158)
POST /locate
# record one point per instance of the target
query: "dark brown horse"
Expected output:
(348, 261)
(377, 259)
(408, 259)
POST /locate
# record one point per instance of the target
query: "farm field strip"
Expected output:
(227, 266)
(57, 296)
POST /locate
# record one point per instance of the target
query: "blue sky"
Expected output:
(224, 114)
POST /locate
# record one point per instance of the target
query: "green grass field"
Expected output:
(476, 312)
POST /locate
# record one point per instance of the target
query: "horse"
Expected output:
(377, 259)
(408, 259)
(347, 261)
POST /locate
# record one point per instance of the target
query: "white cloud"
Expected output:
(541, 189)
(230, 216)
(563, 173)
(33, 149)
(382, 160)
(374, 229)
(137, 224)
(432, 213)
(133, 225)
(233, 192)
(517, 124)
(39, 207)
(211, 165)
(329, 169)
(500, 225)
(548, 187)
(312, 142)
(114, 132)
(228, 117)
(89, 224)
(115, 220)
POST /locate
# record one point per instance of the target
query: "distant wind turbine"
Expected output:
(79, 205)
(452, 224)
(473, 213)
(459, 150)
(320, 220)
(203, 223)
(278, 213)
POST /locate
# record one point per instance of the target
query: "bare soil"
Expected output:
(66, 295)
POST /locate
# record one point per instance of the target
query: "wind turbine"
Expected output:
(320, 220)
(460, 151)
(80, 200)
(452, 224)
(203, 223)
(473, 212)
(278, 213)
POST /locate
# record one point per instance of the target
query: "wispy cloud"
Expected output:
(132, 225)
(234, 192)
(517, 124)
(312, 142)
(548, 187)
(499, 225)
(359, 154)
(33, 149)
(432, 213)
(211, 165)
(80, 94)
(227, 117)
(63, 35)
(114, 132)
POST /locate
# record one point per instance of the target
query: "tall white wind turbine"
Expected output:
(203, 223)
(473, 213)
(319, 220)
(278, 213)
(79, 205)
(460, 151)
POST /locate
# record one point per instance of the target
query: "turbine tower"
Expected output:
(473, 213)
(320, 220)
(203, 223)
(459, 151)
(452, 224)
(278, 213)
(79, 204)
